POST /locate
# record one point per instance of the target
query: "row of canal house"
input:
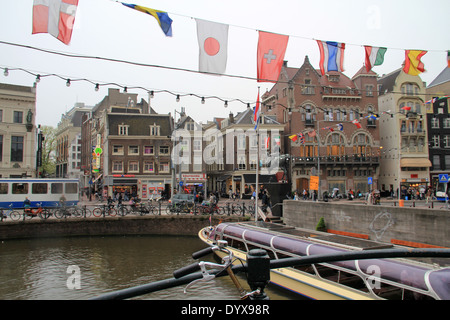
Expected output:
(353, 133)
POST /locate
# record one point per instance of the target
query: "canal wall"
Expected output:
(128, 225)
(417, 227)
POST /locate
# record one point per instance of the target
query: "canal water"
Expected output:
(79, 268)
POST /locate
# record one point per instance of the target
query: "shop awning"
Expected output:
(263, 178)
(415, 162)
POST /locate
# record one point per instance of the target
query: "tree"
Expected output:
(48, 166)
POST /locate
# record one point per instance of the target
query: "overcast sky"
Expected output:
(105, 28)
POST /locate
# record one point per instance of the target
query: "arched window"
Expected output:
(362, 145)
(335, 145)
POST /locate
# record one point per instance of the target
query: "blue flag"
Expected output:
(162, 17)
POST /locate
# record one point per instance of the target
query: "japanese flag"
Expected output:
(213, 46)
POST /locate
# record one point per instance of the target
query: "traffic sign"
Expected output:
(443, 177)
(369, 180)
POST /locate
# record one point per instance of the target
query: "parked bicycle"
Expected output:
(10, 213)
(43, 213)
(179, 207)
(64, 212)
(207, 208)
(84, 211)
(104, 210)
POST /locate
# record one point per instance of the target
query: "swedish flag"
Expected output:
(162, 17)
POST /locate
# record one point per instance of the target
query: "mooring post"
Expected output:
(258, 269)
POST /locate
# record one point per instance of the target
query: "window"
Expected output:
(3, 188)
(446, 123)
(241, 142)
(123, 130)
(154, 130)
(434, 123)
(18, 117)
(118, 149)
(149, 166)
(133, 150)
(16, 148)
(164, 150)
(197, 163)
(117, 166)
(369, 90)
(1, 115)
(447, 141)
(164, 167)
(197, 145)
(39, 188)
(71, 188)
(436, 143)
(148, 150)
(133, 166)
(56, 188)
(19, 188)
(241, 162)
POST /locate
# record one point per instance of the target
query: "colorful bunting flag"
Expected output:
(312, 133)
(331, 56)
(356, 123)
(293, 137)
(406, 108)
(413, 65)
(55, 17)
(448, 58)
(374, 56)
(270, 56)
(162, 17)
(267, 142)
(340, 126)
(302, 138)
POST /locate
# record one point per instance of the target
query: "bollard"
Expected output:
(258, 272)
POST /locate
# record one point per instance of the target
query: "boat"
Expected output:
(371, 279)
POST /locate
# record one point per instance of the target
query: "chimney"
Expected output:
(231, 118)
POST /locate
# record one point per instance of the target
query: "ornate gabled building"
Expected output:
(18, 132)
(404, 163)
(331, 127)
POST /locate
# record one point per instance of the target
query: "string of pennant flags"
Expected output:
(213, 42)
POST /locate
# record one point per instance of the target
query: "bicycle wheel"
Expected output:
(27, 215)
(59, 213)
(14, 215)
(76, 212)
(97, 212)
(44, 214)
(221, 211)
(86, 212)
(112, 212)
(122, 211)
(169, 209)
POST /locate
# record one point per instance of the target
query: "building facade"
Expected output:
(331, 129)
(18, 132)
(68, 143)
(128, 148)
(438, 122)
(405, 163)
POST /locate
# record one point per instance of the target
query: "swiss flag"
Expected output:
(270, 56)
(213, 46)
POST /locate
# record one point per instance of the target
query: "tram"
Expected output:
(41, 192)
(349, 280)
(442, 189)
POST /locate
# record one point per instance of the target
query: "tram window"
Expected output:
(19, 188)
(39, 188)
(57, 188)
(71, 188)
(3, 188)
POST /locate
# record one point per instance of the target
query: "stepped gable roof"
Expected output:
(443, 77)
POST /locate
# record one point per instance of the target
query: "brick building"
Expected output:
(321, 111)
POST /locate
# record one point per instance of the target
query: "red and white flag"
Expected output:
(55, 17)
(270, 56)
(213, 45)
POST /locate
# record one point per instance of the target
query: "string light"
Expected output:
(68, 83)
(6, 73)
(97, 87)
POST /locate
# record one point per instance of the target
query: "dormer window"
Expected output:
(123, 130)
(154, 130)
